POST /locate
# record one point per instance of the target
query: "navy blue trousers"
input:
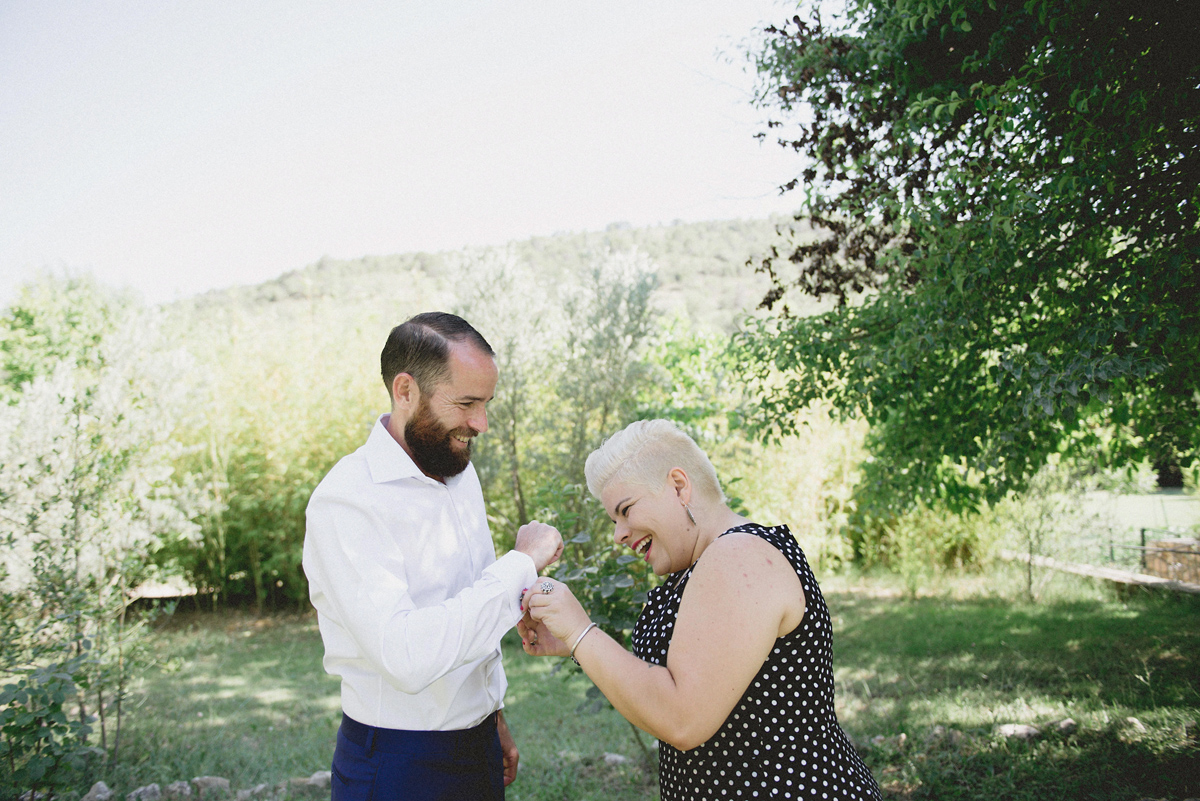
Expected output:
(375, 764)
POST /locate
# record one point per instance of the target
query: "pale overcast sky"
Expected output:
(181, 146)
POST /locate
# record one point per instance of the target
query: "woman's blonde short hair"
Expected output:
(644, 452)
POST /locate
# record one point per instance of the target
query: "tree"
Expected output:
(287, 396)
(572, 371)
(88, 494)
(521, 319)
(1003, 199)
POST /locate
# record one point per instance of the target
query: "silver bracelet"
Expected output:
(579, 640)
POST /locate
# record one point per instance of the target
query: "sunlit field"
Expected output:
(923, 684)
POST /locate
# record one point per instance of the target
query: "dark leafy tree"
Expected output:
(1002, 197)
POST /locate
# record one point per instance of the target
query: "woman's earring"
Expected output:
(691, 517)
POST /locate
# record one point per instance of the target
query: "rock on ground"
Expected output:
(1019, 731)
(178, 790)
(151, 792)
(202, 783)
(99, 792)
(1066, 726)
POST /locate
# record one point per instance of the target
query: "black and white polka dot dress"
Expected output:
(782, 740)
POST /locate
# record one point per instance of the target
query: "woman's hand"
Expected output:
(551, 609)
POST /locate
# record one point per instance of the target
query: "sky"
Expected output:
(185, 146)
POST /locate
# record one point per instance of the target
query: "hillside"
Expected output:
(702, 272)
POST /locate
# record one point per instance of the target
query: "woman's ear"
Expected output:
(678, 479)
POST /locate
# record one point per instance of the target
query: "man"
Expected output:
(410, 598)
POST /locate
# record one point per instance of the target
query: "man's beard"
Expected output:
(429, 442)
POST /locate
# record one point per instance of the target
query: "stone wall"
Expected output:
(212, 788)
(1174, 559)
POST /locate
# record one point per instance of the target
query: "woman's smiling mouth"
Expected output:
(642, 546)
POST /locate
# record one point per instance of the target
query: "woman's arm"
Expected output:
(741, 596)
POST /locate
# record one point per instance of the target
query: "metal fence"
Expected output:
(1172, 553)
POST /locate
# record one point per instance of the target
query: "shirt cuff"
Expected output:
(517, 572)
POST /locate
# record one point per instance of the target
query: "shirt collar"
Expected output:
(388, 461)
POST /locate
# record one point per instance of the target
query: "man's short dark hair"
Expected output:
(420, 346)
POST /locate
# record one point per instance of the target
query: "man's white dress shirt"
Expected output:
(410, 598)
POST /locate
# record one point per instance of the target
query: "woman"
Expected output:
(731, 666)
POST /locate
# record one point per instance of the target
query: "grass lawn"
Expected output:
(246, 699)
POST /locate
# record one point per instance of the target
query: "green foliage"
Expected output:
(924, 544)
(42, 746)
(612, 585)
(573, 370)
(287, 395)
(89, 496)
(1006, 209)
(52, 321)
(700, 267)
(1044, 520)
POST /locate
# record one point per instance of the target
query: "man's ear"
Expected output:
(405, 393)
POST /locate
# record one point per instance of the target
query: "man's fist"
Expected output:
(542, 543)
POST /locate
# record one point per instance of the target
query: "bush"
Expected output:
(42, 747)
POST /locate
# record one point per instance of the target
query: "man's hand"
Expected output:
(509, 747)
(540, 542)
(538, 640)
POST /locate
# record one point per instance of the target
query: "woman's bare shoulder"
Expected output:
(743, 574)
(742, 552)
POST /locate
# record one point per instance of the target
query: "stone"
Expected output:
(1019, 731)
(151, 792)
(214, 783)
(99, 792)
(178, 790)
(321, 779)
(615, 759)
(253, 792)
(1135, 724)
(898, 742)
(1066, 726)
(943, 736)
